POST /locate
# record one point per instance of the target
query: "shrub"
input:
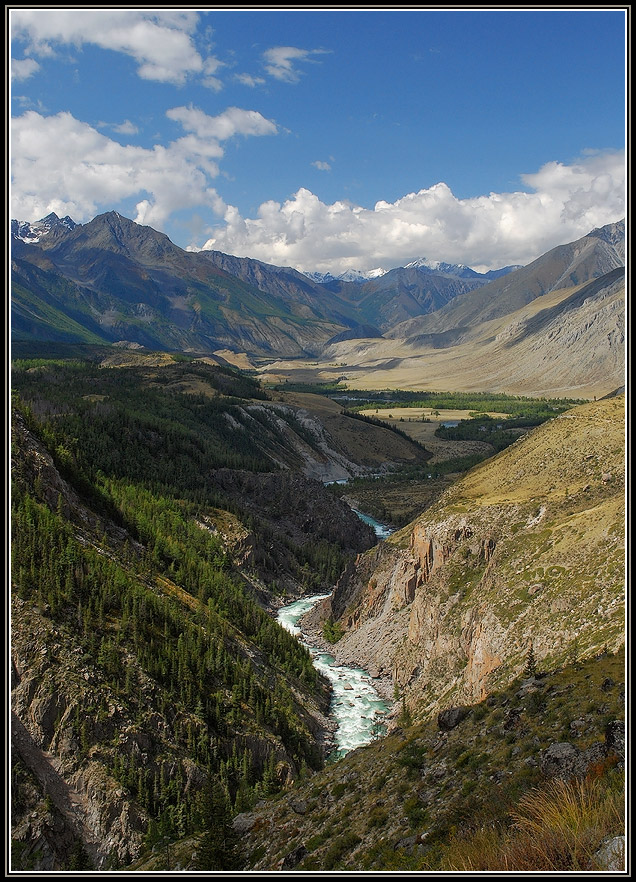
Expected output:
(340, 847)
(414, 811)
(564, 822)
(338, 789)
(377, 817)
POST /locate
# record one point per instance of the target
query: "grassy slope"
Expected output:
(371, 809)
(482, 362)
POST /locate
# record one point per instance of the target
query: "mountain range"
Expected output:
(113, 280)
(164, 507)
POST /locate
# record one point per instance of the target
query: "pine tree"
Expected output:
(530, 669)
(217, 847)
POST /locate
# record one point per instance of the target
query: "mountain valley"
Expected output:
(527, 330)
(191, 436)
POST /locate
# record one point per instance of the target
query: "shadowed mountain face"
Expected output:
(406, 292)
(112, 279)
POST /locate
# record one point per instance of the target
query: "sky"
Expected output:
(326, 140)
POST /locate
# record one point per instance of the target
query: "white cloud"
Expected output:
(280, 61)
(64, 165)
(23, 68)
(213, 83)
(125, 128)
(485, 232)
(321, 166)
(233, 121)
(210, 67)
(249, 80)
(159, 41)
(212, 64)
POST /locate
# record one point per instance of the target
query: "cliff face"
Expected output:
(526, 550)
(53, 701)
(102, 742)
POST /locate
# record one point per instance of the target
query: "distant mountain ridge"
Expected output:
(112, 279)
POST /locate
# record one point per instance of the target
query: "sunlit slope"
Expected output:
(567, 342)
(557, 459)
(526, 549)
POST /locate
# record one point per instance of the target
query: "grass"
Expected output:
(558, 826)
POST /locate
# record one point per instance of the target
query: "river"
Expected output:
(356, 707)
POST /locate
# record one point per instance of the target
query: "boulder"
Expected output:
(244, 822)
(562, 760)
(611, 854)
(452, 717)
(299, 806)
(615, 739)
(293, 858)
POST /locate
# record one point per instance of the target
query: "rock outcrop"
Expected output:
(527, 550)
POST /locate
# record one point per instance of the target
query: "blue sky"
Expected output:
(325, 140)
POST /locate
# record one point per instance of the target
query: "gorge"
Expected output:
(167, 507)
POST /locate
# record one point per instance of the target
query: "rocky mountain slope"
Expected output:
(569, 342)
(459, 792)
(526, 550)
(111, 279)
(152, 527)
(566, 266)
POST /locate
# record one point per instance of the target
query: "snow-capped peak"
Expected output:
(441, 268)
(33, 232)
(458, 270)
(350, 275)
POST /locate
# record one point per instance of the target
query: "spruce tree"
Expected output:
(530, 669)
(218, 845)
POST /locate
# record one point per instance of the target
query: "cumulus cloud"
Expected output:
(23, 68)
(280, 61)
(321, 166)
(64, 165)
(485, 232)
(159, 41)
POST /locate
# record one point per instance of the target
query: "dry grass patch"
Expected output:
(559, 826)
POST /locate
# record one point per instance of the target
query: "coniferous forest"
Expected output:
(113, 509)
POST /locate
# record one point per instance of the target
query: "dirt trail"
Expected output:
(71, 804)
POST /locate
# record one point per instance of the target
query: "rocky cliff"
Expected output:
(105, 751)
(526, 551)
